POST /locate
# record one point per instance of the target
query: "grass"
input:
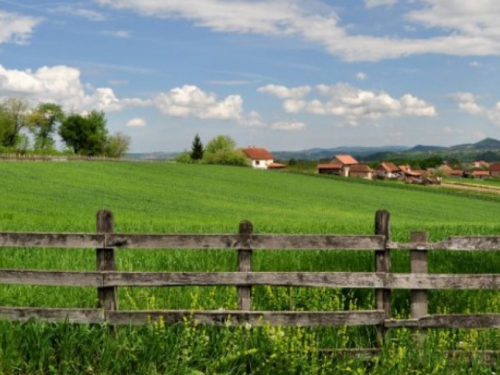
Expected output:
(171, 198)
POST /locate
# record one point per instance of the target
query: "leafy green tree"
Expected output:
(222, 150)
(197, 148)
(87, 135)
(13, 117)
(42, 123)
(117, 145)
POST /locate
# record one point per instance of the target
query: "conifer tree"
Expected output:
(197, 148)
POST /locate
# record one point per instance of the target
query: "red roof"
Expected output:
(329, 166)
(495, 167)
(388, 167)
(481, 173)
(346, 159)
(255, 153)
(360, 168)
(456, 173)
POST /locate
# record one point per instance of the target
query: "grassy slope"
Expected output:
(161, 197)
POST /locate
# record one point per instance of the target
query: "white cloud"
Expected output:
(467, 103)
(253, 119)
(136, 122)
(283, 92)
(123, 34)
(16, 28)
(191, 101)
(288, 125)
(361, 76)
(464, 28)
(353, 104)
(379, 3)
(88, 14)
(61, 84)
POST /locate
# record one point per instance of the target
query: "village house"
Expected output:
(260, 158)
(481, 174)
(406, 172)
(361, 170)
(339, 165)
(495, 169)
(388, 170)
(480, 164)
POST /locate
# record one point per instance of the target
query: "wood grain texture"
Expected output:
(254, 318)
(55, 240)
(76, 316)
(449, 321)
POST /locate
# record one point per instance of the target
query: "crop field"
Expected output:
(172, 198)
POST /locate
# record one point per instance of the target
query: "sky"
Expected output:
(279, 74)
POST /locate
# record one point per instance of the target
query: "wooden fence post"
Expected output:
(383, 264)
(245, 265)
(107, 296)
(418, 259)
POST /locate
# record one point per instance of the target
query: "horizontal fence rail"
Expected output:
(106, 278)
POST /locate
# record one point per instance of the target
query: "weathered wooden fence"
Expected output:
(106, 279)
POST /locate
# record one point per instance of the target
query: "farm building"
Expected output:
(495, 170)
(260, 158)
(388, 170)
(361, 170)
(330, 168)
(339, 165)
(481, 174)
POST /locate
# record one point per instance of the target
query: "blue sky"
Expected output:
(280, 74)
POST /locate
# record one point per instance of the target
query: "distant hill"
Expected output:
(488, 148)
(329, 153)
(422, 148)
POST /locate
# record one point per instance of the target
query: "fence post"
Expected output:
(107, 296)
(418, 259)
(245, 265)
(383, 264)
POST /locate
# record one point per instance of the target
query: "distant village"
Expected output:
(347, 166)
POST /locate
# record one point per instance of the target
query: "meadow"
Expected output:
(172, 198)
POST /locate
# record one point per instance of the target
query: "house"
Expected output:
(480, 164)
(339, 165)
(361, 170)
(330, 168)
(495, 169)
(260, 158)
(407, 172)
(456, 174)
(480, 174)
(388, 170)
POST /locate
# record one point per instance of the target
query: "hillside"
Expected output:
(166, 197)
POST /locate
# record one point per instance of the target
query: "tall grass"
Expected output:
(162, 197)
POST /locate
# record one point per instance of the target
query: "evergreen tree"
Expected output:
(197, 148)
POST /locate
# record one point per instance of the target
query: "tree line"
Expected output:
(27, 129)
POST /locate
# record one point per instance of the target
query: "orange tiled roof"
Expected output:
(346, 159)
(388, 167)
(255, 153)
(480, 173)
(360, 168)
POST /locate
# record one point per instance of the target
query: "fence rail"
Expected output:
(107, 278)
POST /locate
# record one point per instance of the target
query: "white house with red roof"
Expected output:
(260, 158)
(339, 165)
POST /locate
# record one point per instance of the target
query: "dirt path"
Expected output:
(478, 188)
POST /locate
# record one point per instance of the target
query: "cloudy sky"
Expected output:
(282, 74)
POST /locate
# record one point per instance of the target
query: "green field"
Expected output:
(172, 198)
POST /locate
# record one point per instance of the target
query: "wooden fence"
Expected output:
(106, 279)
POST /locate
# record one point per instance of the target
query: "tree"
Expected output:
(117, 145)
(87, 135)
(222, 150)
(42, 124)
(197, 148)
(13, 117)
